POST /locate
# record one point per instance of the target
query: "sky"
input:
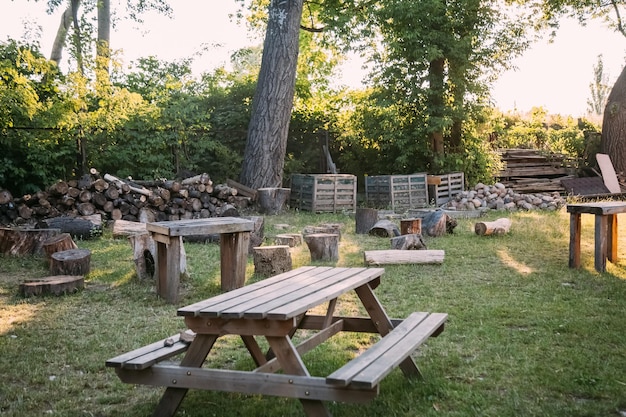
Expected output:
(555, 76)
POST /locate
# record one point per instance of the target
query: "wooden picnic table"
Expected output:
(234, 240)
(605, 231)
(276, 308)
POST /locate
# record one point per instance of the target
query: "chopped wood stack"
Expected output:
(115, 199)
(533, 171)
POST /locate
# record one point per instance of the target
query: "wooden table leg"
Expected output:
(383, 324)
(233, 259)
(195, 356)
(601, 242)
(167, 272)
(574, 240)
(612, 238)
(291, 363)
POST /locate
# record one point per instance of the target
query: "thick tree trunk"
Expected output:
(613, 142)
(264, 155)
(103, 54)
(436, 103)
(59, 40)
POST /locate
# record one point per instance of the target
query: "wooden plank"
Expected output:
(608, 173)
(242, 189)
(281, 385)
(370, 367)
(148, 355)
(390, 256)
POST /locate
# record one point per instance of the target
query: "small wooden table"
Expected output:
(275, 309)
(234, 241)
(605, 231)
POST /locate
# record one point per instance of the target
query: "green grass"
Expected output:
(527, 336)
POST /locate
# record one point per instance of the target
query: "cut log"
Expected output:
(381, 257)
(123, 228)
(408, 242)
(17, 242)
(289, 239)
(271, 260)
(242, 189)
(365, 219)
(333, 229)
(272, 200)
(78, 227)
(323, 246)
(144, 250)
(58, 243)
(57, 285)
(497, 227)
(5, 197)
(384, 228)
(70, 262)
(438, 223)
(411, 226)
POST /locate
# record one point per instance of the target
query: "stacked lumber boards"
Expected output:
(534, 171)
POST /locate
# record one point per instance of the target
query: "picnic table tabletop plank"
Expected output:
(212, 225)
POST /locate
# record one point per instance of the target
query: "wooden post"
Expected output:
(411, 226)
(272, 260)
(234, 257)
(365, 218)
(323, 246)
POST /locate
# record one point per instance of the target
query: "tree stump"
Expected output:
(437, 223)
(271, 260)
(70, 262)
(272, 200)
(411, 226)
(497, 227)
(144, 249)
(384, 228)
(365, 219)
(57, 285)
(330, 228)
(408, 242)
(258, 232)
(58, 243)
(289, 239)
(17, 242)
(323, 246)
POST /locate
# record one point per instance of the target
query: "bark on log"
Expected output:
(123, 228)
(289, 239)
(242, 189)
(323, 246)
(78, 227)
(70, 262)
(384, 228)
(271, 260)
(437, 223)
(258, 232)
(333, 229)
(497, 227)
(5, 196)
(408, 242)
(17, 242)
(272, 200)
(144, 252)
(391, 256)
(365, 219)
(57, 285)
(58, 243)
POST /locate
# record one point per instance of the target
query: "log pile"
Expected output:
(114, 199)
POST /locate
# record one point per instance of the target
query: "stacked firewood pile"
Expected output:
(122, 199)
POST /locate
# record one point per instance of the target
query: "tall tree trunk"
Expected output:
(613, 142)
(77, 37)
(436, 103)
(264, 156)
(103, 54)
(59, 40)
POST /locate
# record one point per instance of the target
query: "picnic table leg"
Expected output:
(195, 356)
(234, 257)
(167, 272)
(574, 240)
(291, 363)
(601, 242)
(612, 238)
(383, 324)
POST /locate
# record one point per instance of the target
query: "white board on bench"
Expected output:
(608, 173)
(391, 256)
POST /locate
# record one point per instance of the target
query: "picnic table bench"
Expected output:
(276, 308)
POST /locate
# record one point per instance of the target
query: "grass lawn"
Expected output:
(526, 336)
